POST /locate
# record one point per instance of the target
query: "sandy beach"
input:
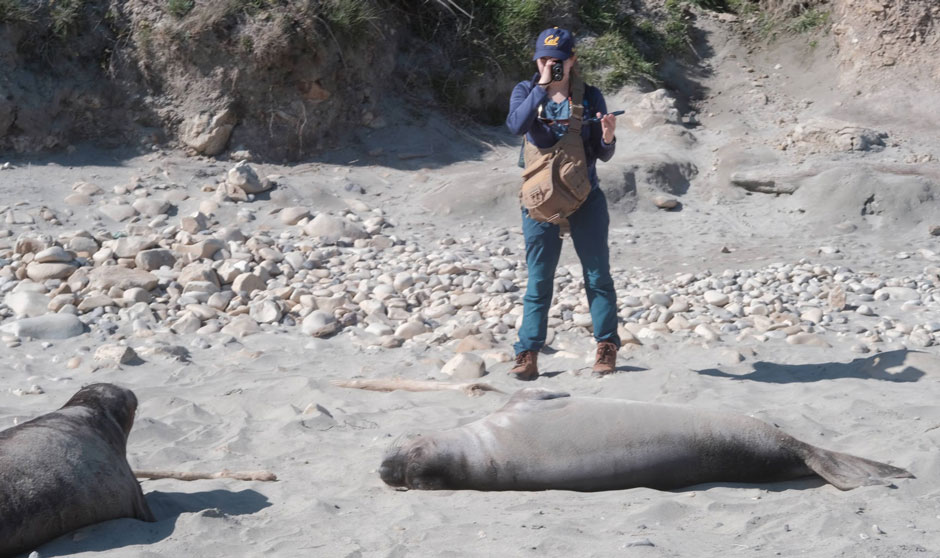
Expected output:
(798, 285)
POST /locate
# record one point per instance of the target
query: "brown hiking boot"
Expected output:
(526, 368)
(606, 360)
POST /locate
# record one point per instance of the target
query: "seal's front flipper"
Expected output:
(533, 394)
(846, 472)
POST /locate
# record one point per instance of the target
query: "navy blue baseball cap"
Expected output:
(555, 43)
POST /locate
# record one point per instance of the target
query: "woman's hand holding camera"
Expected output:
(545, 70)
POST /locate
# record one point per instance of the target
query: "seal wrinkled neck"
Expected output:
(118, 403)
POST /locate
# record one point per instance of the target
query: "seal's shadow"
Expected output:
(167, 507)
(805, 483)
(893, 366)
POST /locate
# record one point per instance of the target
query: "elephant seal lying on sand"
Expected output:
(542, 440)
(68, 469)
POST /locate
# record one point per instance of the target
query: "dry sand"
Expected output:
(264, 401)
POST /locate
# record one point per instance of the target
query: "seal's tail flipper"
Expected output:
(846, 472)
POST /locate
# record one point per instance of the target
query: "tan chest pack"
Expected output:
(555, 181)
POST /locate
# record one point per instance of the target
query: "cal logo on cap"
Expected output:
(552, 40)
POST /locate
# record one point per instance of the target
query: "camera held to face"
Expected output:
(558, 70)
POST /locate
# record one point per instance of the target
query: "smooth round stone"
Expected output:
(716, 298)
(582, 319)
(319, 324)
(115, 354)
(898, 293)
(706, 332)
(151, 207)
(812, 315)
(136, 294)
(241, 326)
(384, 291)
(410, 329)
(156, 258)
(83, 246)
(293, 215)
(810, 339)
(247, 283)
(53, 254)
(865, 310)
(379, 329)
(679, 305)
(265, 312)
(95, 301)
(467, 300)
(465, 366)
(665, 202)
(48, 326)
(27, 303)
(331, 303)
(103, 278)
(661, 299)
(44, 271)
(403, 280)
(331, 228)
(207, 287)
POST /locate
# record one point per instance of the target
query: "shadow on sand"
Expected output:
(167, 507)
(893, 366)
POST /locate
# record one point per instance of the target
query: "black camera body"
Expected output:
(558, 70)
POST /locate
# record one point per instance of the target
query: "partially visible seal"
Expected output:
(67, 469)
(542, 440)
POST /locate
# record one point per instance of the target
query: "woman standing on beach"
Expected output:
(540, 108)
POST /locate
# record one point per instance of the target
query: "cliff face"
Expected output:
(286, 80)
(874, 36)
(282, 84)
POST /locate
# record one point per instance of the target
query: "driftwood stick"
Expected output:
(223, 474)
(472, 389)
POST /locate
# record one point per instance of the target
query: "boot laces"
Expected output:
(606, 351)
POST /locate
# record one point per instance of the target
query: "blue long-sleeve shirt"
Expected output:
(523, 119)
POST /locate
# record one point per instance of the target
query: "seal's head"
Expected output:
(118, 403)
(420, 463)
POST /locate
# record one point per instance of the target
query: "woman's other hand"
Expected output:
(608, 126)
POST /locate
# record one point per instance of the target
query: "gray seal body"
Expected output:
(68, 469)
(542, 440)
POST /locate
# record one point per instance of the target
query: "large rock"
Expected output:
(148, 260)
(241, 326)
(465, 366)
(838, 135)
(53, 254)
(130, 246)
(103, 278)
(49, 326)
(151, 207)
(319, 324)
(246, 283)
(331, 228)
(208, 133)
(118, 212)
(44, 271)
(244, 177)
(27, 303)
(653, 109)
